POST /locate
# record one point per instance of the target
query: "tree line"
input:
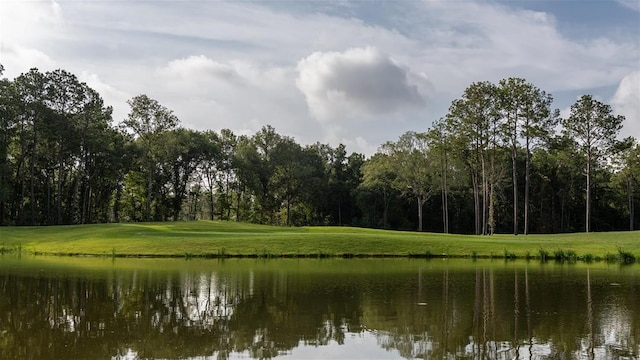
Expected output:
(501, 160)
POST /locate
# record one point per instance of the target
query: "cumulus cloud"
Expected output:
(23, 25)
(14, 57)
(626, 101)
(110, 94)
(195, 67)
(243, 96)
(508, 41)
(242, 65)
(360, 81)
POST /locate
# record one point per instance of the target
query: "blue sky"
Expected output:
(353, 72)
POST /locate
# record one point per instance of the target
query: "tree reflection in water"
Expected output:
(267, 309)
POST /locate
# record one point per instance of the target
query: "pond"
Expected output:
(88, 308)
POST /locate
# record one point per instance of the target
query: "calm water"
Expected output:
(62, 308)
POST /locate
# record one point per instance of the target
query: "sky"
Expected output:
(360, 73)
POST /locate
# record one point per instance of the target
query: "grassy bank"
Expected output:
(225, 239)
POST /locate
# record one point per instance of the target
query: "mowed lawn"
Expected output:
(221, 238)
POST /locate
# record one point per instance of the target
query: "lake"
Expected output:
(94, 308)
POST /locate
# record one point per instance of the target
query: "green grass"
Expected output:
(228, 239)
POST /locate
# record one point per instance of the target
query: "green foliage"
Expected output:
(414, 171)
(63, 161)
(594, 128)
(610, 258)
(626, 257)
(565, 255)
(543, 254)
(508, 255)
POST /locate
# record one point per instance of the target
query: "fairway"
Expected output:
(227, 239)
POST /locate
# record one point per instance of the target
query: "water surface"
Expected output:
(87, 308)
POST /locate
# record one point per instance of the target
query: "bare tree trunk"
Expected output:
(476, 202)
(492, 193)
(212, 200)
(147, 205)
(288, 210)
(88, 218)
(116, 203)
(515, 189)
(553, 212)
(238, 198)
(485, 195)
(32, 196)
(631, 204)
(492, 209)
(526, 189)
(588, 207)
(60, 179)
(420, 203)
(385, 212)
(227, 192)
(445, 197)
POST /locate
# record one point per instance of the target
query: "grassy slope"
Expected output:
(206, 238)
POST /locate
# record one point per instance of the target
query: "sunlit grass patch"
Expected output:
(231, 239)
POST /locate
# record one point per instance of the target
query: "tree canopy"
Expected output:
(501, 160)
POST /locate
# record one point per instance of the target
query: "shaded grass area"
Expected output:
(230, 239)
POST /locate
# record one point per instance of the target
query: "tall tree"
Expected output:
(378, 174)
(31, 90)
(147, 120)
(227, 175)
(556, 185)
(414, 171)
(8, 114)
(338, 181)
(441, 146)
(474, 119)
(594, 127)
(208, 167)
(289, 174)
(627, 176)
(183, 152)
(64, 98)
(256, 168)
(97, 140)
(526, 111)
(538, 123)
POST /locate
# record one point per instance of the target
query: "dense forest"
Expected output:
(500, 161)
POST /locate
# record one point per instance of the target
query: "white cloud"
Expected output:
(27, 19)
(498, 42)
(565, 112)
(23, 26)
(197, 67)
(359, 68)
(360, 81)
(626, 101)
(239, 95)
(630, 4)
(109, 94)
(14, 57)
